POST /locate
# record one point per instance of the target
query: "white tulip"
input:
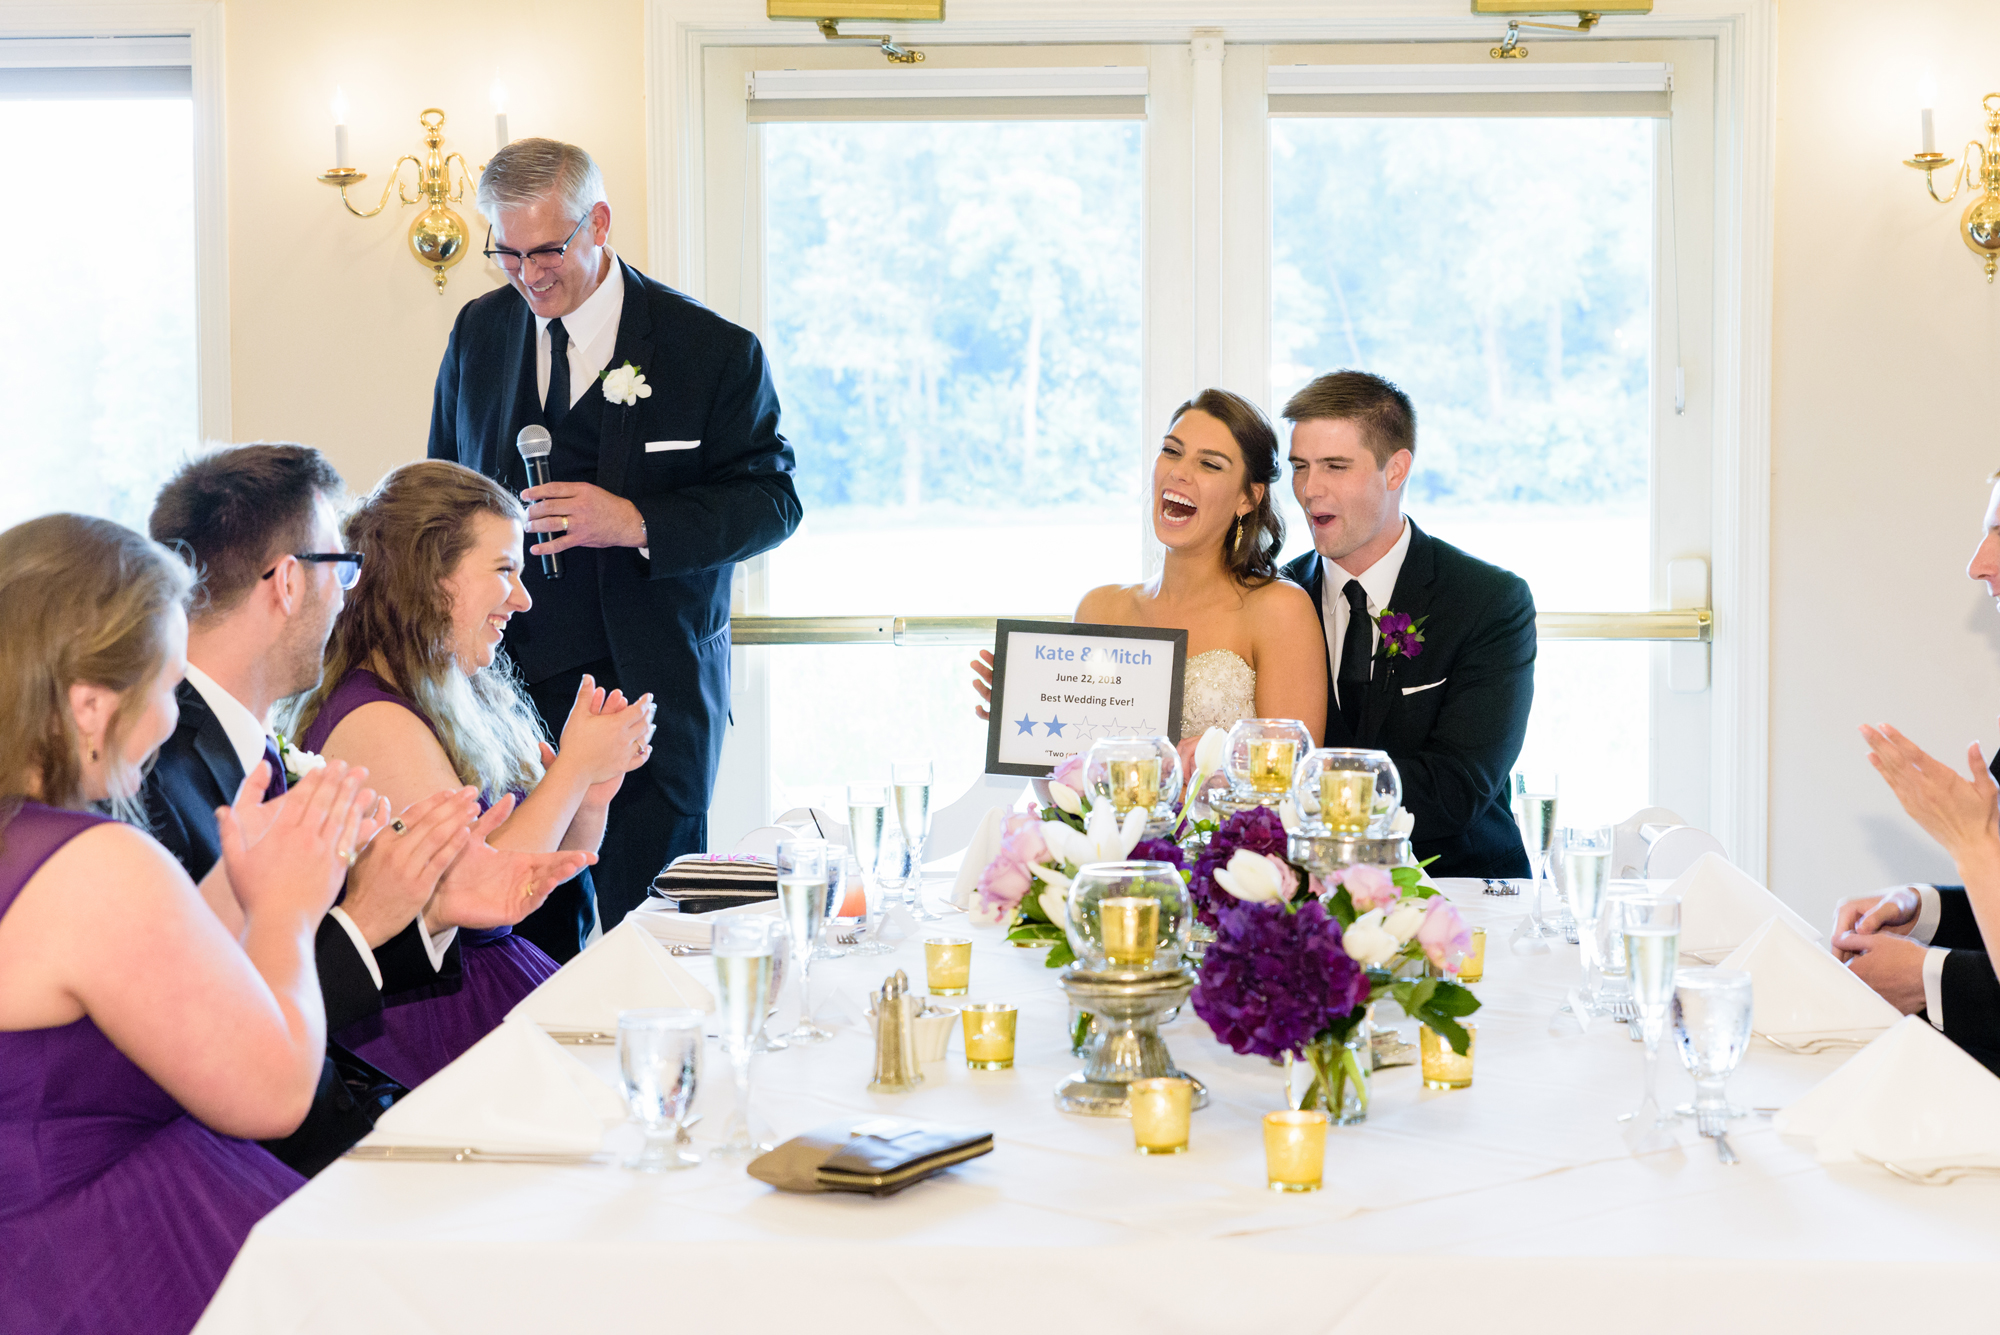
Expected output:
(1366, 942)
(1404, 822)
(1208, 751)
(1403, 923)
(1066, 797)
(1289, 815)
(1251, 877)
(1055, 903)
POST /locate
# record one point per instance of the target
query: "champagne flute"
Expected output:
(867, 811)
(912, 780)
(659, 1066)
(742, 951)
(1614, 989)
(836, 899)
(1535, 814)
(1712, 1013)
(802, 891)
(1586, 863)
(1652, 953)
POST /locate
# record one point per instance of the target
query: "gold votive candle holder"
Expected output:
(989, 1035)
(1135, 783)
(1347, 799)
(1473, 967)
(1294, 1149)
(1272, 760)
(1443, 1068)
(1161, 1107)
(948, 965)
(1131, 928)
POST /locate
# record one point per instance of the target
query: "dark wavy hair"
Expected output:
(1251, 549)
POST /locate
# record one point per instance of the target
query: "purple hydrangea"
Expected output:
(1159, 850)
(1273, 979)
(1260, 830)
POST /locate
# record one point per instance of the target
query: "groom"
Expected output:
(1452, 712)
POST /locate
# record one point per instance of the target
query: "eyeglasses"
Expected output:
(546, 257)
(346, 566)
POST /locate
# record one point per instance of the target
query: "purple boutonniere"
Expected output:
(1402, 635)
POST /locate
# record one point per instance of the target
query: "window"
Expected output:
(99, 362)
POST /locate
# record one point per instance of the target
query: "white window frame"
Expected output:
(202, 25)
(1233, 347)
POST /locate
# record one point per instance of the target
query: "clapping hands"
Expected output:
(497, 887)
(606, 737)
(1960, 814)
(293, 853)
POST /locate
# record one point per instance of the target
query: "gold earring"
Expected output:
(1242, 531)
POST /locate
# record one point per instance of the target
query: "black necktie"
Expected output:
(1357, 655)
(556, 406)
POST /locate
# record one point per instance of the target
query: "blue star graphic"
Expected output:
(1056, 726)
(1026, 725)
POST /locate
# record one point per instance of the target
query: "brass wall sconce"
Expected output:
(829, 14)
(438, 237)
(1979, 225)
(1510, 47)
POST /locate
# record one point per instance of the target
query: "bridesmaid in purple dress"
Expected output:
(140, 1037)
(416, 690)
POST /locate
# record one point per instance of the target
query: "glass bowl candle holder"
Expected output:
(1128, 772)
(1348, 791)
(1128, 917)
(1262, 757)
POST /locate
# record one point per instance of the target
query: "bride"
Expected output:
(1255, 648)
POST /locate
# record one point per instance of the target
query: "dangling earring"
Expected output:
(1242, 531)
(93, 755)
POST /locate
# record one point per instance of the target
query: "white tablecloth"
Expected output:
(1512, 1205)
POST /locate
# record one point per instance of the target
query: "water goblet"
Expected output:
(659, 1066)
(743, 950)
(1652, 953)
(1711, 1015)
(802, 894)
(1614, 985)
(912, 782)
(867, 814)
(1586, 865)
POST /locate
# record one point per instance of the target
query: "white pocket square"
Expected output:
(659, 446)
(1412, 690)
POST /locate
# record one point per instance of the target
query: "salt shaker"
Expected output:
(896, 1069)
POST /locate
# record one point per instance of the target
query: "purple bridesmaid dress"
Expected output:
(417, 1039)
(119, 1212)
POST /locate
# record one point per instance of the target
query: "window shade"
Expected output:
(1104, 92)
(95, 68)
(1621, 89)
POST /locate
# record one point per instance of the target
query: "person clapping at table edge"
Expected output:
(417, 688)
(259, 524)
(140, 1035)
(1928, 949)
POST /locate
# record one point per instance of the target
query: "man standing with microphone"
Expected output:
(655, 424)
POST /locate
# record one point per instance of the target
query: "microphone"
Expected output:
(534, 444)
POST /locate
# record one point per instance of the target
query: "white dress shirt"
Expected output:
(247, 734)
(1378, 582)
(593, 335)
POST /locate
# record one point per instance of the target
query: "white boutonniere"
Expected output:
(297, 763)
(626, 385)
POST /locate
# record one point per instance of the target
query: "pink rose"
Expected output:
(1005, 882)
(1369, 887)
(1444, 936)
(1070, 773)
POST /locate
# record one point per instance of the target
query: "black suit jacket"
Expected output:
(196, 772)
(1971, 989)
(706, 508)
(1453, 717)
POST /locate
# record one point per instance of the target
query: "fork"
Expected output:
(1812, 1047)
(469, 1154)
(1710, 1125)
(1941, 1176)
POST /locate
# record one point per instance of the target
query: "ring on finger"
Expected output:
(351, 856)
(398, 826)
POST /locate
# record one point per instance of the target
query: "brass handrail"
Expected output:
(1693, 624)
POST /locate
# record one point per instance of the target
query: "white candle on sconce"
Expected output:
(1927, 100)
(339, 110)
(500, 136)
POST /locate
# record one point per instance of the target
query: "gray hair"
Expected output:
(528, 171)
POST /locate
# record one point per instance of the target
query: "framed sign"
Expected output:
(1059, 686)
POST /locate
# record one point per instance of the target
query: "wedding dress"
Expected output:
(1219, 689)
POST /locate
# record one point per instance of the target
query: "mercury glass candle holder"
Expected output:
(1129, 772)
(948, 965)
(1443, 1068)
(1105, 937)
(989, 1035)
(1473, 967)
(1262, 755)
(1131, 929)
(1294, 1150)
(1348, 791)
(1162, 1107)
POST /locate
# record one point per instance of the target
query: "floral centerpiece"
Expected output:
(1298, 960)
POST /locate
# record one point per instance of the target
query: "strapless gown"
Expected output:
(1219, 689)
(415, 1040)
(119, 1212)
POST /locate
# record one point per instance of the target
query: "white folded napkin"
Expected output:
(514, 1090)
(1911, 1098)
(676, 929)
(625, 970)
(1802, 991)
(979, 854)
(1721, 907)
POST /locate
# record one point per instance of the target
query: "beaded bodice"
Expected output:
(1220, 688)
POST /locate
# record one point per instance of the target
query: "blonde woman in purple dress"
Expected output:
(150, 1029)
